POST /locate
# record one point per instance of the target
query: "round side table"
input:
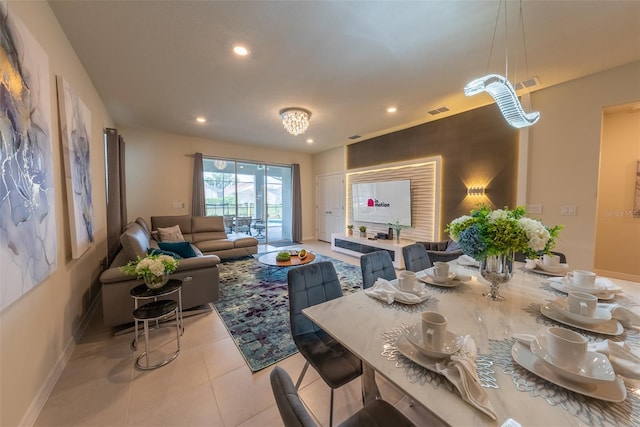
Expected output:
(156, 311)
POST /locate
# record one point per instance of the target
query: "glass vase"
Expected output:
(496, 269)
(397, 236)
(155, 282)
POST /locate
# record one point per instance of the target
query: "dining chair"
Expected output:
(310, 285)
(294, 414)
(519, 256)
(375, 265)
(416, 257)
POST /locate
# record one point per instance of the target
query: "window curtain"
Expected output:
(116, 190)
(296, 223)
(197, 199)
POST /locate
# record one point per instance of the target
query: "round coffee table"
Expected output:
(270, 259)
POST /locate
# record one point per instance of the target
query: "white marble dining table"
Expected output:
(367, 327)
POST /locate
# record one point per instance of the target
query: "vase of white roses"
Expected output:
(492, 237)
(154, 269)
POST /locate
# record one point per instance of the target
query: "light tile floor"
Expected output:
(208, 384)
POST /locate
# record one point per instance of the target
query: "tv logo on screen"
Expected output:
(376, 203)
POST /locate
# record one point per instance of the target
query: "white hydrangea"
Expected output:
(498, 214)
(154, 266)
(453, 231)
(537, 233)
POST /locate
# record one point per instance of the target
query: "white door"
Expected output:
(329, 206)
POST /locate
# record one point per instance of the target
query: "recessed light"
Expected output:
(201, 120)
(309, 141)
(240, 50)
(392, 110)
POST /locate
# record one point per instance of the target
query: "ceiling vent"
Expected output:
(438, 111)
(528, 84)
(355, 137)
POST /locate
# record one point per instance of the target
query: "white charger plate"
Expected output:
(564, 287)
(611, 327)
(452, 343)
(601, 315)
(456, 280)
(561, 269)
(611, 391)
(593, 368)
(422, 295)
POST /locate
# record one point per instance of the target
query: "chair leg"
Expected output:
(331, 410)
(304, 371)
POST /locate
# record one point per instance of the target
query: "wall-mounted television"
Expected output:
(382, 202)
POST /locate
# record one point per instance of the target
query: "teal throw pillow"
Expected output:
(183, 249)
(154, 251)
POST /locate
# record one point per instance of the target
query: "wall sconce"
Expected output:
(475, 191)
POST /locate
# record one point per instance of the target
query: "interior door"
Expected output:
(329, 206)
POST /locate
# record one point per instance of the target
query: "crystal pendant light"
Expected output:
(295, 120)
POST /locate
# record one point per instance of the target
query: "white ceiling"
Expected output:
(159, 64)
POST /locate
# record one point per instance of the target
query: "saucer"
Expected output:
(596, 288)
(594, 367)
(611, 327)
(562, 286)
(442, 280)
(601, 315)
(611, 391)
(555, 269)
(452, 343)
(399, 297)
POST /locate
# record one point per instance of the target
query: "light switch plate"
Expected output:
(534, 209)
(568, 210)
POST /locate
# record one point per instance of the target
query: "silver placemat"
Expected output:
(419, 374)
(428, 304)
(592, 412)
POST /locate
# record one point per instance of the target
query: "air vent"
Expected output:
(528, 84)
(438, 111)
(355, 137)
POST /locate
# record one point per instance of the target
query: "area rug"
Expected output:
(282, 243)
(254, 306)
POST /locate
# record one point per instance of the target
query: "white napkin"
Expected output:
(460, 369)
(625, 316)
(383, 290)
(623, 360)
(604, 287)
(467, 260)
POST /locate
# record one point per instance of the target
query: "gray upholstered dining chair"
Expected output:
(375, 265)
(310, 285)
(416, 257)
(294, 414)
(519, 256)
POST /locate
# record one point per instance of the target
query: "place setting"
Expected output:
(548, 265)
(585, 281)
(442, 275)
(405, 289)
(431, 345)
(566, 359)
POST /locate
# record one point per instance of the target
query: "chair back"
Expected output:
(310, 285)
(292, 411)
(519, 256)
(416, 257)
(375, 265)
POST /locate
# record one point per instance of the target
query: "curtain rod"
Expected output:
(231, 159)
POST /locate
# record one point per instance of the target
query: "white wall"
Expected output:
(36, 331)
(159, 172)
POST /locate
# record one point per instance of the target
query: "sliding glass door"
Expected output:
(253, 198)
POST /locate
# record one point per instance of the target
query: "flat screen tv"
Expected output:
(382, 202)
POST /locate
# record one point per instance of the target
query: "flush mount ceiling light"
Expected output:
(499, 87)
(295, 120)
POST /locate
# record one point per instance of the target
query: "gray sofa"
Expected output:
(207, 233)
(444, 251)
(200, 276)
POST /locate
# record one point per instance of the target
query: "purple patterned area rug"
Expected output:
(254, 306)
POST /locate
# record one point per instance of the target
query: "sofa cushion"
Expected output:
(170, 234)
(245, 242)
(184, 221)
(157, 251)
(183, 249)
(145, 227)
(215, 245)
(453, 246)
(201, 224)
(134, 241)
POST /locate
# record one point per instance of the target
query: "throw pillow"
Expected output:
(155, 251)
(183, 249)
(170, 234)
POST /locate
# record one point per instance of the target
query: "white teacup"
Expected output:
(566, 348)
(407, 280)
(440, 269)
(551, 260)
(434, 329)
(582, 303)
(583, 278)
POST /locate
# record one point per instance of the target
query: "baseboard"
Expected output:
(30, 417)
(618, 275)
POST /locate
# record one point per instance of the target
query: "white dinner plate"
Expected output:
(562, 286)
(409, 351)
(593, 368)
(601, 315)
(422, 295)
(611, 391)
(452, 343)
(442, 280)
(457, 280)
(560, 270)
(611, 327)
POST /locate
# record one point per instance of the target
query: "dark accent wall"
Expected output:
(477, 148)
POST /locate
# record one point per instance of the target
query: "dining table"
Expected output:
(372, 329)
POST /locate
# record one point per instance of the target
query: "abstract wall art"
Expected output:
(75, 129)
(28, 247)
